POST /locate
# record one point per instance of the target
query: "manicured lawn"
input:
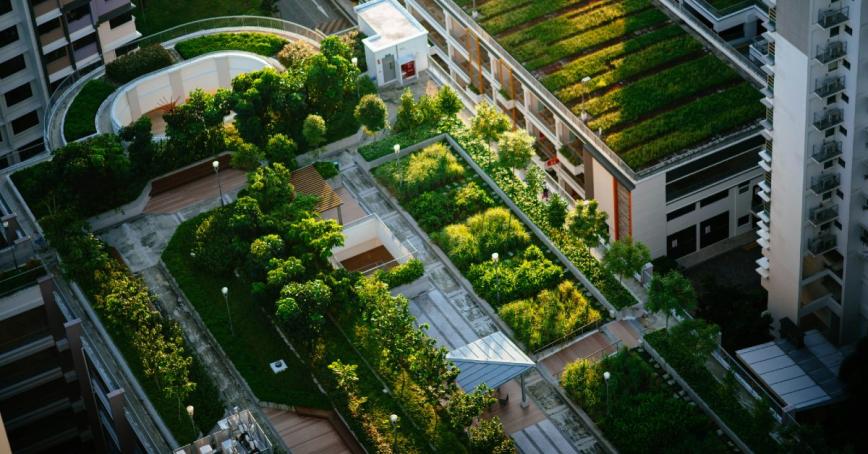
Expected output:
(156, 15)
(648, 78)
(79, 121)
(254, 344)
(257, 43)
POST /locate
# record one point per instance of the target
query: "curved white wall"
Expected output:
(208, 72)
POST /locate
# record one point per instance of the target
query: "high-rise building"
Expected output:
(814, 228)
(42, 43)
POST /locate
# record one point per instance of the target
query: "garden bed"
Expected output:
(79, 120)
(158, 15)
(263, 44)
(466, 219)
(653, 90)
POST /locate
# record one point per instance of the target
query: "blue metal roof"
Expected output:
(493, 360)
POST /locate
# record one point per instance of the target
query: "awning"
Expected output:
(493, 360)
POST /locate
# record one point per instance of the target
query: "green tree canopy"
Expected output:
(314, 130)
(282, 149)
(448, 102)
(371, 113)
(625, 257)
(588, 223)
(489, 123)
(515, 149)
(671, 294)
(556, 211)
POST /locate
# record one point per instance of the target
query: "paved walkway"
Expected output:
(195, 191)
(445, 302)
(306, 434)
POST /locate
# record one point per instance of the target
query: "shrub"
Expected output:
(515, 278)
(494, 230)
(470, 199)
(147, 59)
(79, 120)
(326, 169)
(257, 43)
(282, 149)
(402, 274)
(295, 53)
(313, 130)
(551, 315)
(429, 169)
(488, 437)
(371, 113)
(216, 245)
(247, 156)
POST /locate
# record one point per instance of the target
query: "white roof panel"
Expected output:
(493, 360)
(780, 373)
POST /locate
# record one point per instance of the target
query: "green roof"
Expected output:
(654, 90)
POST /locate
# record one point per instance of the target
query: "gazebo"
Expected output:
(492, 360)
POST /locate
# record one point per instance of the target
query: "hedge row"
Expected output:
(518, 16)
(258, 43)
(578, 44)
(134, 64)
(79, 120)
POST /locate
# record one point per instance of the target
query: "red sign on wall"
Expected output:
(408, 69)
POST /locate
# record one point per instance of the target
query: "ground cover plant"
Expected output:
(138, 63)
(79, 120)
(635, 408)
(651, 90)
(258, 43)
(157, 15)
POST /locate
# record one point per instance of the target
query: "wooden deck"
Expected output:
(306, 434)
(513, 417)
(369, 259)
(593, 344)
(204, 188)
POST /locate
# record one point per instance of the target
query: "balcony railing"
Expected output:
(44, 7)
(829, 86)
(822, 244)
(832, 17)
(825, 183)
(51, 35)
(85, 52)
(828, 118)
(831, 51)
(58, 64)
(823, 214)
(826, 151)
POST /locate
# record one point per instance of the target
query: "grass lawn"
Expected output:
(156, 15)
(79, 121)
(252, 347)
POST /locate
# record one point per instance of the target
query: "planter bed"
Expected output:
(258, 43)
(79, 120)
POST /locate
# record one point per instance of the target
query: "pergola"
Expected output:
(309, 182)
(492, 360)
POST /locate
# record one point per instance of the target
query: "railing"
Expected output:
(227, 22)
(831, 51)
(822, 244)
(731, 9)
(826, 151)
(823, 214)
(825, 183)
(829, 86)
(568, 337)
(828, 119)
(831, 17)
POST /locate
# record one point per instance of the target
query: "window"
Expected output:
(48, 26)
(714, 198)
(18, 94)
(120, 20)
(680, 212)
(834, 31)
(842, 163)
(848, 30)
(55, 54)
(845, 63)
(842, 130)
(31, 149)
(743, 220)
(831, 99)
(830, 132)
(8, 36)
(845, 98)
(78, 13)
(12, 66)
(25, 122)
(5, 6)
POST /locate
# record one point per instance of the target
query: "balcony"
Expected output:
(826, 151)
(822, 244)
(570, 156)
(45, 7)
(84, 55)
(831, 51)
(825, 183)
(58, 64)
(829, 118)
(823, 214)
(829, 86)
(51, 36)
(831, 17)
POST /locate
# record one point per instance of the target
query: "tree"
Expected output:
(448, 102)
(195, 128)
(314, 130)
(271, 186)
(488, 437)
(141, 149)
(313, 238)
(295, 54)
(266, 103)
(671, 293)
(97, 169)
(556, 211)
(303, 305)
(371, 113)
(489, 123)
(626, 258)
(330, 79)
(588, 223)
(515, 149)
(408, 116)
(282, 149)
(463, 407)
(247, 156)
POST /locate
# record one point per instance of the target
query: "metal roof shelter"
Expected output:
(308, 181)
(783, 375)
(493, 360)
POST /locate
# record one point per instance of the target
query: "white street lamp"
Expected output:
(393, 419)
(397, 149)
(190, 414)
(12, 243)
(606, 377)
(495, 258)
(225, 292)
(216, 166)
(585, 80)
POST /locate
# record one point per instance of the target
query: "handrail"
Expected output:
(736, 8)
(569, 337)
(226, 22)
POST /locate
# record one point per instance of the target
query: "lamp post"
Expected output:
(7, 235)
(585, 81)
(397, 149)
(225, 292)
(606, 377)
(192, 423)
(495, 258)
(216, 166)
(393, 419)
(355, 61)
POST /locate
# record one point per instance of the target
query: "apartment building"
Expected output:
(41, 44)
(55, 393)
(681, 201)
(814, 228)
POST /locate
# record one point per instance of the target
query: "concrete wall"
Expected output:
(366, 234)
(173, 84)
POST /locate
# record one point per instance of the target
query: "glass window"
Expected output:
(25, 122)
(18, 94)
(12, 66)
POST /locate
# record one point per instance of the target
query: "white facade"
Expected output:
(814, 242)
(396, 47)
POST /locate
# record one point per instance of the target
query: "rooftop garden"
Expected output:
(157, 15)
(653, 90)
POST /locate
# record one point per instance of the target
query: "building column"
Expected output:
(73, 336)
(52, 312)
(119, 418)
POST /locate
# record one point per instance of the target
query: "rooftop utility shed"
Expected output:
(396, 47)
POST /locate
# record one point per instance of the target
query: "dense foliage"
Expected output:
(258, 43)
(404, 273)
(138, 63)
(79, 120)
